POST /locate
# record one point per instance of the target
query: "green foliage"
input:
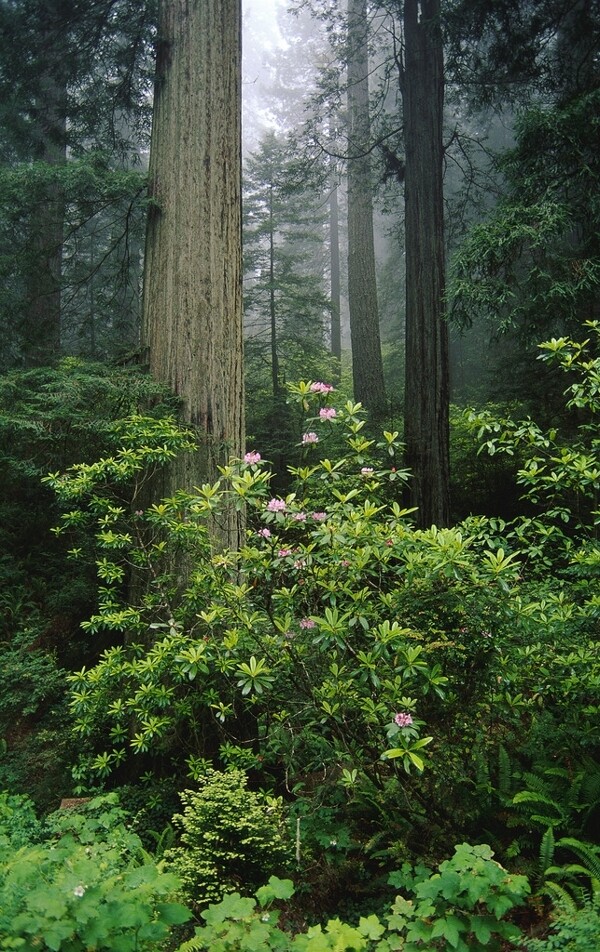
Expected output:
(104, 217)
(559, 472)
(571, 930)
(462, 907)
(50, 418)
(293, 643)
(373, 665)
(229, 836)
(534, 265)
(88, 885)
(571, 883)
(19, 824)
(30, 678)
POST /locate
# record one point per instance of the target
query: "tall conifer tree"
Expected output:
(192, 303)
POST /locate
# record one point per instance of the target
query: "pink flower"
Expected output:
(319, 516)
(283, 553)
(309, 438)
(299, 564)
(307, 623)
(403, 719)
(252, 457)
(276, 505)
(299, 517)
(265, 533)
(366, 471)
(320, 387)
(327, 413)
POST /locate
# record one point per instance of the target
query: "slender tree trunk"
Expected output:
(427, 387)
(334, 251)
(367, 365)
(192, 303)
(272, 307)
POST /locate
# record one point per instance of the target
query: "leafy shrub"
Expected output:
(571, 930)
(88, 885)
(230, 836)
(19, 824)
(461, 907)
(339, 643)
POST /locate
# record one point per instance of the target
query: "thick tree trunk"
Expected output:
(192, 304)
(427, 387)
(367, 365)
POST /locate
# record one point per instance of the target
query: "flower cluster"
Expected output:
(309, 438)
(252, 457)
(327, 413)
(276, 505)
(402, 719)
(320, 387)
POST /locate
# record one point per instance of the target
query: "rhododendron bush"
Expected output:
(340, 643)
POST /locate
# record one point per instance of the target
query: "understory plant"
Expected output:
(341, 654)
(230, 837)
(86, 883)
(462, 906)
(328, 644)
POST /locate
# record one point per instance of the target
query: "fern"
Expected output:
(572, 874)
(195, 944)
(587, 853)
(505, 772)
(539, 799)
(559, 895)
(546, 854)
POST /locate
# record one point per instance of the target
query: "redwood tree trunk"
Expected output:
(367, 364)
(192, 303)
(427, 386)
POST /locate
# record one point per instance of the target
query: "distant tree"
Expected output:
(284, 261)
(367, 364)
(531, 268)
(192, 301)
(72, 81)
(335, 274)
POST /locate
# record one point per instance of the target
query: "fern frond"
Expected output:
(195, 944)
(504, 772)
(531, 796)
(537, 783)
(546, 851)
(558, 894)
(587, 853)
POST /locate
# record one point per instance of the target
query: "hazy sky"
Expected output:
(261, 17)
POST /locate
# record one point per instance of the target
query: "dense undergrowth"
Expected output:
(339, 704)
